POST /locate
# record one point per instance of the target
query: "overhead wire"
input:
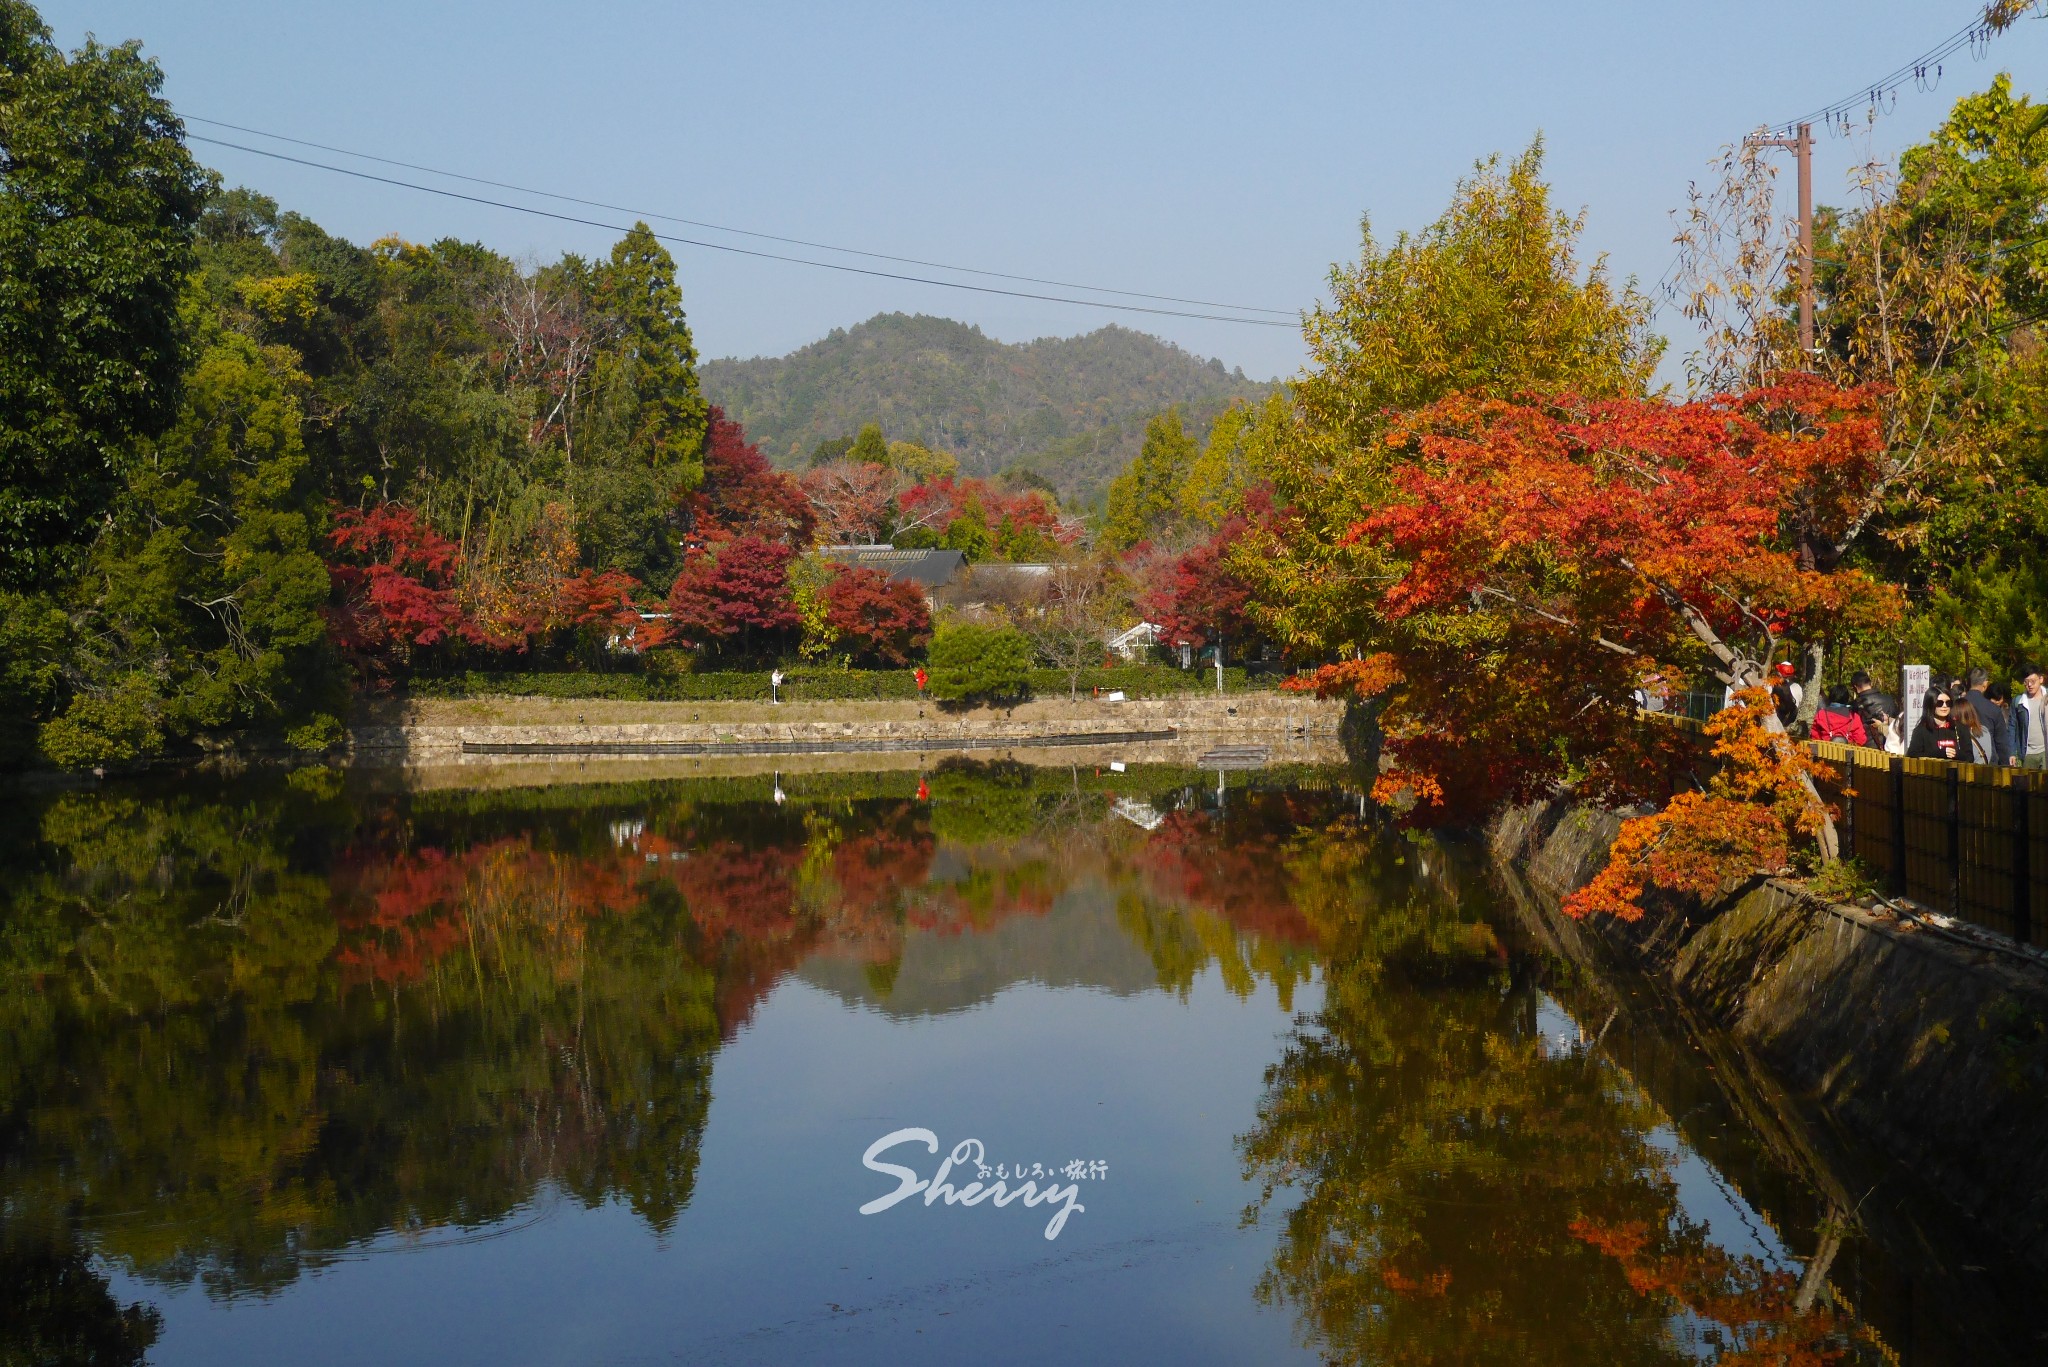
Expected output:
(737, 251)
(1976, 36)
(698, 223)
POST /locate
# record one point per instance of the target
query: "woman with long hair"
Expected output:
(1973, 737)
(1936, 736)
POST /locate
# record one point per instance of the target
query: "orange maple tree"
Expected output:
(1542, 559)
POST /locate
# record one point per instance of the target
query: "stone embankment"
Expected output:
(1931, 1047)
(495, 730)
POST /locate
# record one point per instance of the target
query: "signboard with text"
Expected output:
(1916, 679)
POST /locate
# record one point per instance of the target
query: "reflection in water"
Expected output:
(249, 1033)
(1464, 1189)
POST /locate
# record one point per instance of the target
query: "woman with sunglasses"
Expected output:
(1935, 737)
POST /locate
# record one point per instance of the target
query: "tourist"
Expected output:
(1880, 713)
(2001, 697)
(775, 687)
(1973, 734)
(1935, 736)
(2030, 720)
(1990, 718)
(1787, 693)
(1837, 720)
(1653, 694)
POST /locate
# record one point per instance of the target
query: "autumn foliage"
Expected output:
(1198, 595)
(1744, 822)
(739, 595)
(742, 495)
(876, 619)
(1756, 1305)
(1539, 559)
(394, 586)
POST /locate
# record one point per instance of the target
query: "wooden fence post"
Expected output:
(1898, 768)
(1955, 840)
(1852, 792)
(2022, 863)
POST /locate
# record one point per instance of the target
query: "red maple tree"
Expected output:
(393, 581)
(1542, 558)
(878, 620)
(1196, 597)
(740, 595)
(743, 495)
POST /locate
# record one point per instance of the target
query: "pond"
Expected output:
(992, 1063)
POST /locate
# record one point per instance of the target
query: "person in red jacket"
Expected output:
(1837, 719)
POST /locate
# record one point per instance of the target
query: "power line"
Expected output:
(700, 223)
(739, 251)
(1925, 71)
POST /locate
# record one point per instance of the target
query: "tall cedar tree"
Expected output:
(639, 288)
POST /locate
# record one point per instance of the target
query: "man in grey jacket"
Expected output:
(2030, 721)
(1990, 716)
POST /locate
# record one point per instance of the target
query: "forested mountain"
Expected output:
(1071, 408)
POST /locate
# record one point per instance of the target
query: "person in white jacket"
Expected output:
(2030, 721)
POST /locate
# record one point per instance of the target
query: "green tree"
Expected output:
(1144, 500)
(657, 355)
(1932, 291)
(35, 640)
(1488, 300)
(98, 199)
(969, 533)
(869, 447)
(646, 441)
(974, 663)
(200, 608)
(922, 463)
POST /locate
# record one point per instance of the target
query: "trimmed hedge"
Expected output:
(806, 685)
(1147, 681)
(824, 685)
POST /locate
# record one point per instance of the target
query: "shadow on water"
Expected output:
(259, 1030)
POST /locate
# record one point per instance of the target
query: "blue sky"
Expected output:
(1212, 151)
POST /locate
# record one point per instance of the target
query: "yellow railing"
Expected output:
(1967, 839)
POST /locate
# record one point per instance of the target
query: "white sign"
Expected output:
(971, 1155)
(1917, 680)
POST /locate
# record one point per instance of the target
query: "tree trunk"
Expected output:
(1741, 672)
(1816, 658)
(1815, 1277)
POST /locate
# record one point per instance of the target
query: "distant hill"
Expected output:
(1072, 409)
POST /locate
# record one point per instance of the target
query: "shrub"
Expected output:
(665, 676)
(319, 733)
(109, 728)
(970, 662)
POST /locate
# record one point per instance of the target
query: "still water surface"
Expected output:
(303, 1072)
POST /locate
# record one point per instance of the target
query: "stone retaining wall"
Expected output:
(1932, 1049)
(437, 734)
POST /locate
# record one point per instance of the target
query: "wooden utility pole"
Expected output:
(1802, 147)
